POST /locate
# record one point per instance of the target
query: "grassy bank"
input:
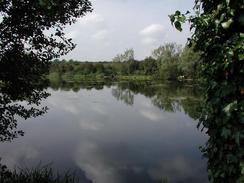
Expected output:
(135, 78)
(96, 77)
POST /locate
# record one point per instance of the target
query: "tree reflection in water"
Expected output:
(22, 87)
(170, 97)
(125, 95)
(167, 97)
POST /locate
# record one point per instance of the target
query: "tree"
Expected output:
(99, 68)
(167, 50)
(133, 66)
(128, 55)
(189, 63)
(219, 36)
(168, 59)
(31, 34)
(150, 66)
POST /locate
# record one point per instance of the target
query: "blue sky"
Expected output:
(117, 25)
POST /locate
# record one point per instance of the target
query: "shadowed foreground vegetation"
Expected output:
(218, 34)
(43, 174)
(25, 53)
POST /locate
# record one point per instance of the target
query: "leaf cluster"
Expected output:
(218, 33)
(31, 34)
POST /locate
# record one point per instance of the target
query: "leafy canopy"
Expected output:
(31, 34)
(218, 33)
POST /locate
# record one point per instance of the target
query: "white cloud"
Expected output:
(99, 108)
(142, 26)
(151, 115)
(100, 35)
(91, 19)
(152, 30)
(73, 34)
(152, 34)
(26, 152)
(175, 168)
(94, 163)
(91, 125)
(148, 40)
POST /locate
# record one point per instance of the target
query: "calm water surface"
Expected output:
(115, 133)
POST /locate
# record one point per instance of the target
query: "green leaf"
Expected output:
(177, 13)
(178, 26)
(237, 138)
(182, 18)
(227, 24)
(242, 167)
(242, 118)
(230, 107)
(220, 6)
(225, 133)
(217, 22)
(43, 2)
(241, 56)
(172, 18)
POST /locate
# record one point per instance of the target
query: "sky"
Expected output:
(117, 25)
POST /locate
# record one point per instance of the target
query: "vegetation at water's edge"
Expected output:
(167, 62)
(43, 174)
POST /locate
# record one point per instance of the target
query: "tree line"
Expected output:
(168, 62)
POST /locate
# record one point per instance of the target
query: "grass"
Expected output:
(69, 77)
(43, 174)
(135, 78)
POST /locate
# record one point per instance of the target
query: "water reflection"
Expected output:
(116, 133)
(22, 87)
(170, 97)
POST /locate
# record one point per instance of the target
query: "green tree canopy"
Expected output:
(128, 55)
(31, 34)
(168, 56)
(218, 28)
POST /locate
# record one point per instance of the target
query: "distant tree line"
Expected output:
(167, 62)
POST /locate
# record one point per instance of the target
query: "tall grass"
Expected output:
(43, 174)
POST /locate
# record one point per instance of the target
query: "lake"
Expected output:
(124, 132)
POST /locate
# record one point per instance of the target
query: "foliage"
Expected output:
(150, 66)
(170, 64)
(31, 34)
(168, 57)
(43, 174)
(128, 55)
(189, 69)
(219, 35)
